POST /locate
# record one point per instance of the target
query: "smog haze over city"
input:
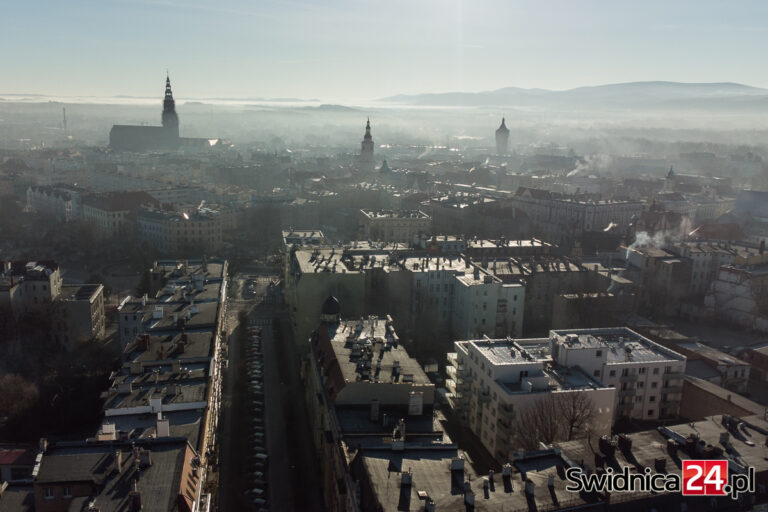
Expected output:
(360, 256)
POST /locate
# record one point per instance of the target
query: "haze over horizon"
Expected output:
(355, 51)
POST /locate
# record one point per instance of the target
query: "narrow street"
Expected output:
(291, 472)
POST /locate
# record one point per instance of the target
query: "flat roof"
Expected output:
(623, 345)
(717, 356)
(504, 351)
(395, 214)
(353, 338)
(79, 291)
(184, 391)
(165, 348)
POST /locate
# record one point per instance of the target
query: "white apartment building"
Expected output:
(471, 299)
(173, 232)
(623, 373)
(61, 202)
(110, 213)
(393, 225)
(29, 286)
(648, 377)
(555, 215)
(490, 381)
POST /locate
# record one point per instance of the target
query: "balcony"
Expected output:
(630, 377)
(452, 372)
(629, 391)
(674, 375)
(625, 409)
(453, 360)
(673, 400)
(671, 388)
(483, 397)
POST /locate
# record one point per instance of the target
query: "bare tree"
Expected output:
(554, 417)
(577, 414)
(18, 394)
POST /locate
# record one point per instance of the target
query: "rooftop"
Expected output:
(714, 355)
(370, 349)
(180, 391)
(166, 347)
(395, 214)
(158, 476)
(507, 351)
(119, 201)
(80, 291)
(623, 345)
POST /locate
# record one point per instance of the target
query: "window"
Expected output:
(653, 385)
(655, 371)
(652, 399)
(598, 353)
(640, 384)
(612, 373)
(650, 412)
(49, 493)
(67, 492)
(597, 373)
(642, 370)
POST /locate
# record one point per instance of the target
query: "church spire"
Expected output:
(368, 130)
(168, 91)
(170, 119)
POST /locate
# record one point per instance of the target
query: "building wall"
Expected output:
(309, 291)
(490, 410)
(492, 308)
(59, 503)
(82, 319)
(698, 403)
(387, 393)
(33, 295)
(392, 228)
(108, 224)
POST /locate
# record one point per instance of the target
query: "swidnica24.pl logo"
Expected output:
(699, 478)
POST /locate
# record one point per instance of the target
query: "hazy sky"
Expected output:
(354, 50)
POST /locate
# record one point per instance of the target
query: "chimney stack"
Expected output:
(163, 426)
(135, 498)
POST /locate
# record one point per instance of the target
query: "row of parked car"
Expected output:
(259, 458)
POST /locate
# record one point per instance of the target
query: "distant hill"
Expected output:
(624, 95)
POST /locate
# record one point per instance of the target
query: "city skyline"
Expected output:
(356, 51)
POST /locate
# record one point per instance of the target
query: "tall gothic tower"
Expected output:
(170, 119)
(502, 139)
(366, 149)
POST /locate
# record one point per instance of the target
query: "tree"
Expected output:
(555, 417)
(18, 394)
(99, 279)
(145, 285)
